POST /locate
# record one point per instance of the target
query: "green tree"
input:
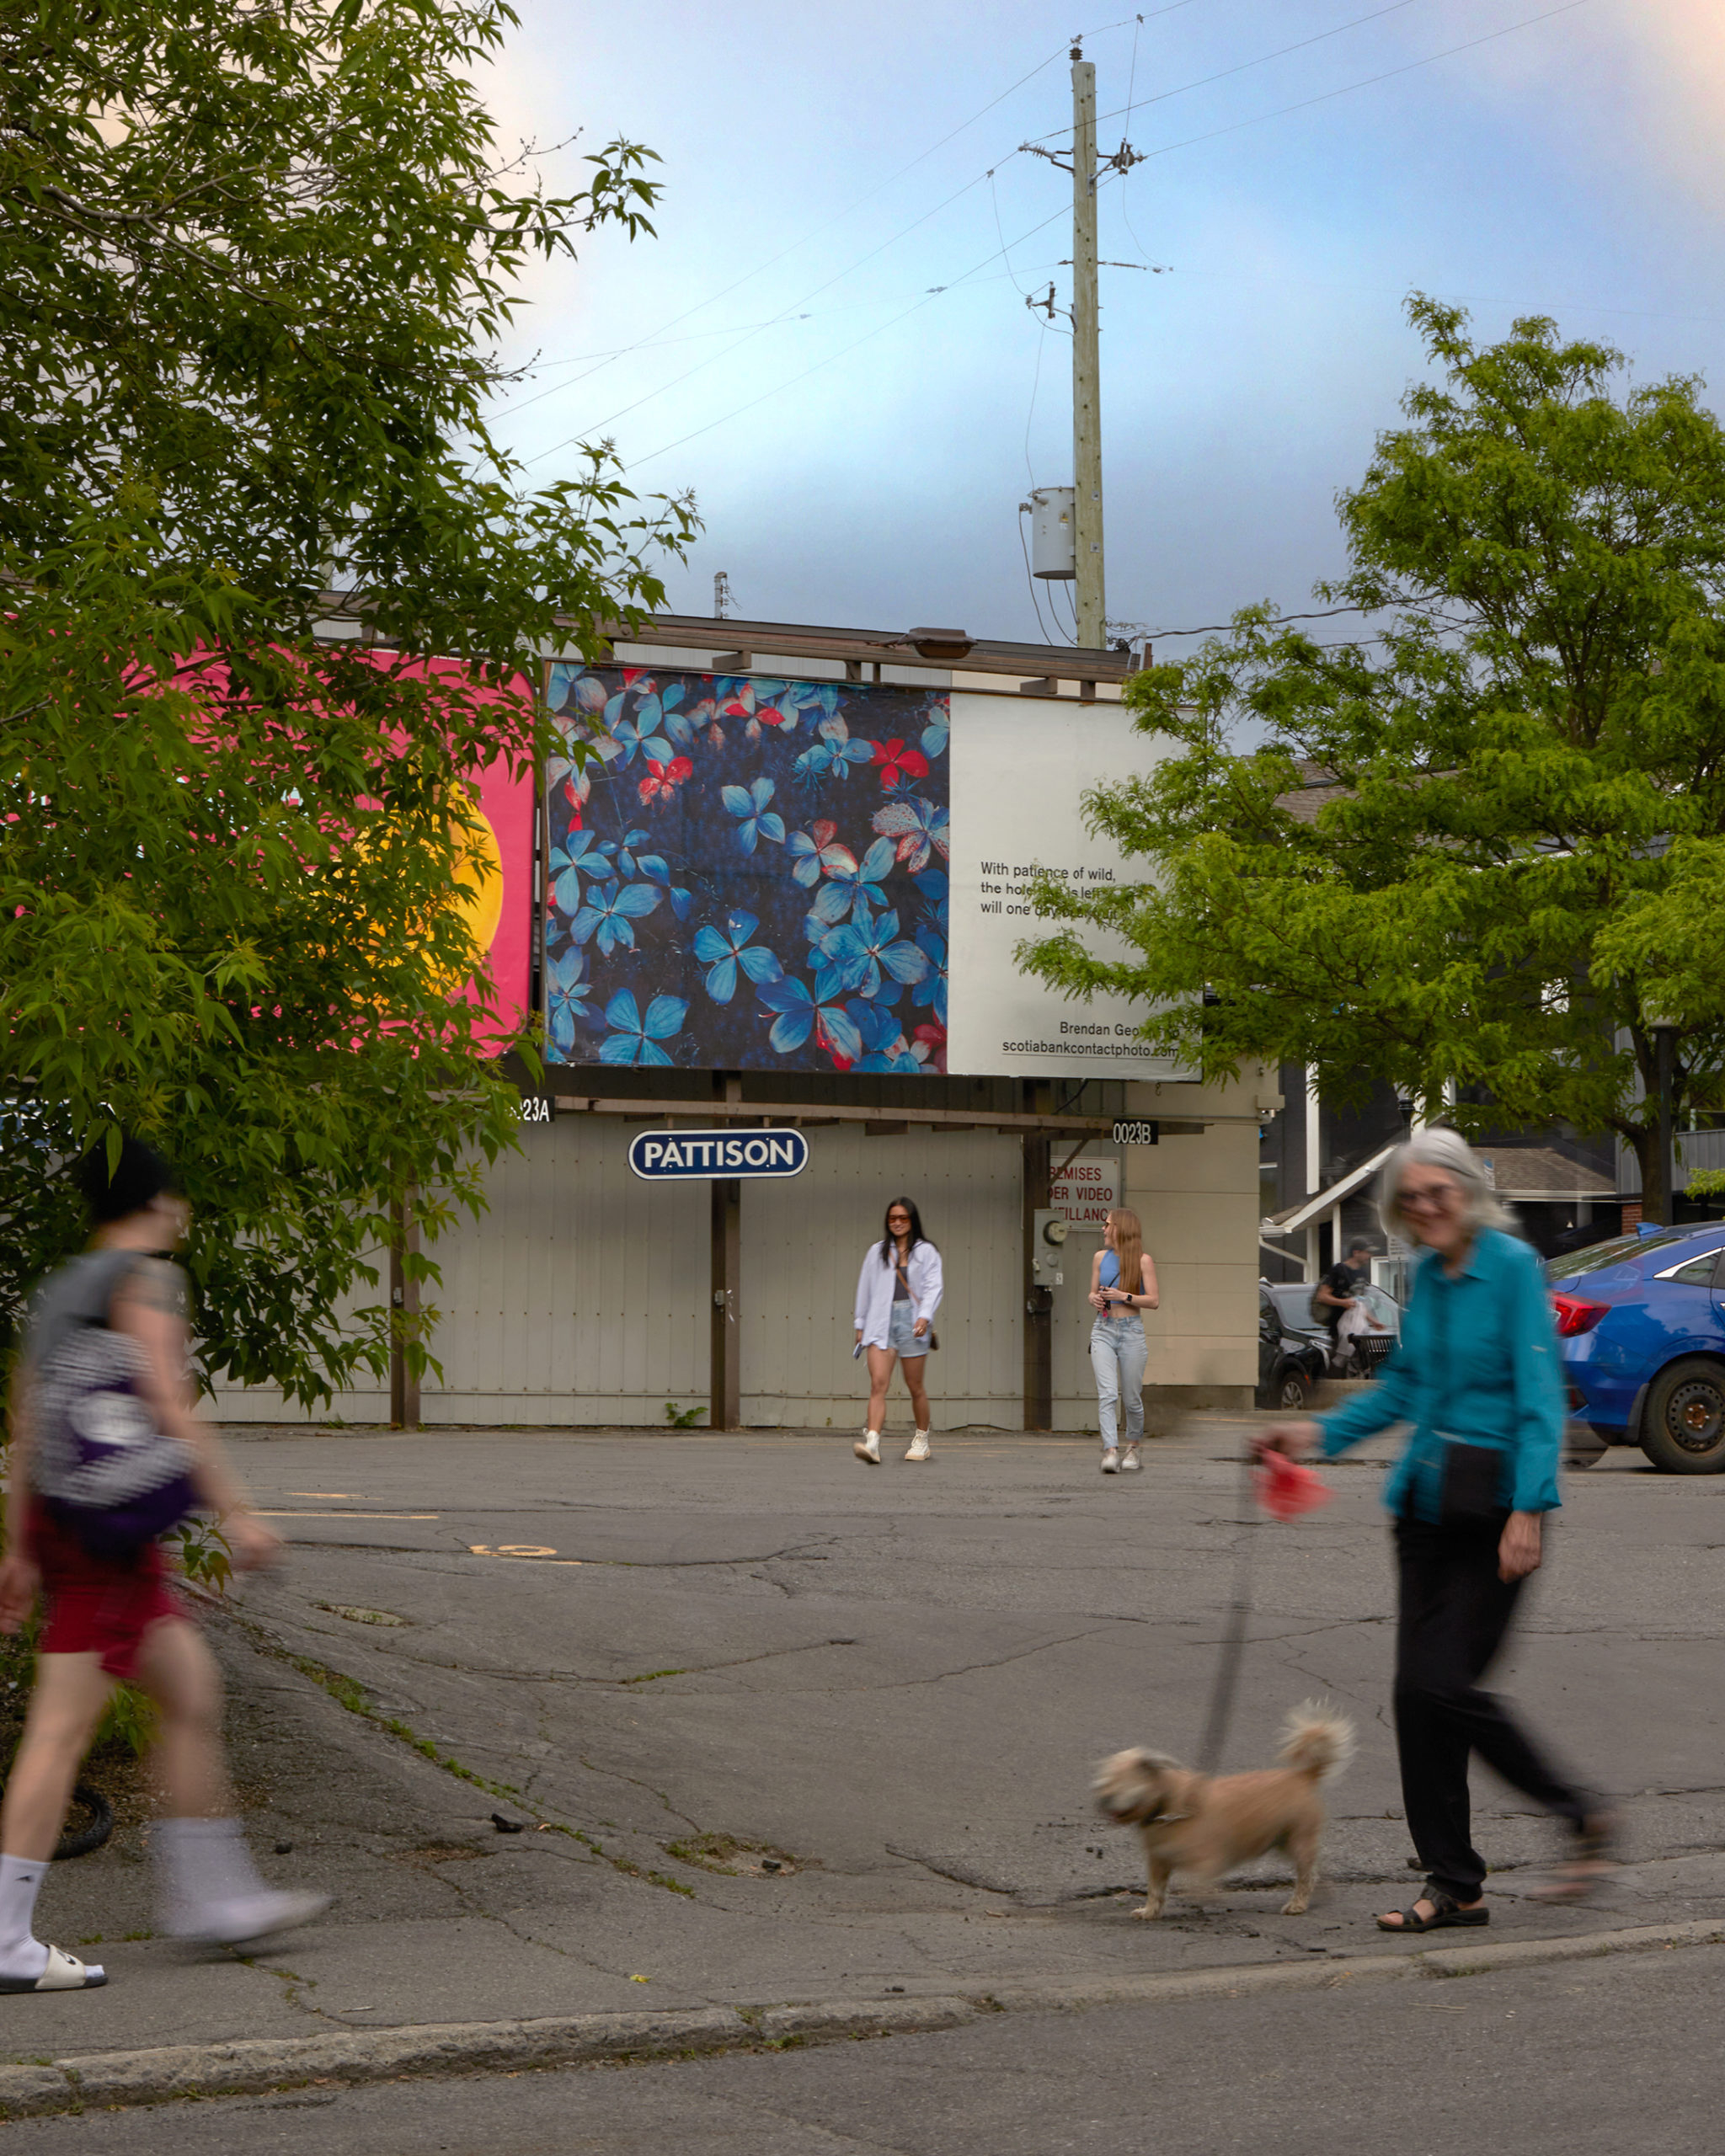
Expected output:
(1521, 858)
(255, 260)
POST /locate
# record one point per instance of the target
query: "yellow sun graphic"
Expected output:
(479, 876)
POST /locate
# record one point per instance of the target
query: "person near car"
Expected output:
(1475, 1374)
(1338, 1291)
(898, 1292)
(1122, 1285)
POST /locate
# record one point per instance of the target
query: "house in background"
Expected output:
(1318, 1168)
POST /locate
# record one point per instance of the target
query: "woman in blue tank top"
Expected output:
(1122, 1283)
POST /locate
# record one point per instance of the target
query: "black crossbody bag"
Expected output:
(1474, 1475)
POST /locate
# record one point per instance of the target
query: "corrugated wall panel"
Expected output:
(581, 1296)
(803, 1241)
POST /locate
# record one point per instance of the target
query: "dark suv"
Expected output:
(1287, 1366)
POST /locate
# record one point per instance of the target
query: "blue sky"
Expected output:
(859, 443)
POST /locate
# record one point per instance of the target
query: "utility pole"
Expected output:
(1086, 410)
(1090, 598)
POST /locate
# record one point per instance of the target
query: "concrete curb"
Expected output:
(252, 2067)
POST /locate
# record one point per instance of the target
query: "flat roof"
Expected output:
(944, 649)
(965, 653)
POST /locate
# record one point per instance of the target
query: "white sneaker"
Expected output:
(251, 1915)
(1131, 1465)
(919, 1446)
(1111, 1461)
(868, 1447)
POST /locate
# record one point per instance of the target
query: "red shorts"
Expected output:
(98, 1605)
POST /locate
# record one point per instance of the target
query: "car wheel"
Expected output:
(1292, 1389)
(1683, 1423)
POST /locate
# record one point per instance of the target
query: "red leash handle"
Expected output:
(1285, 1488)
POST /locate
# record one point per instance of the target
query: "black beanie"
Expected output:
(141, 1175)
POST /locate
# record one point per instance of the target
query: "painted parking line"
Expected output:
(263, 1515)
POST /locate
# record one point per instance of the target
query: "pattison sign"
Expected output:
(690, 1156)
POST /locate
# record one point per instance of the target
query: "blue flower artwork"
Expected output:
(747, 874)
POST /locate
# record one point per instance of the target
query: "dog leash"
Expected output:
(1227, 1676)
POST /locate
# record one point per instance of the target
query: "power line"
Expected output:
(1035, 384)
(1241, 68)
(655, 336)
(1217, 629)
(731, 329)
(1491, 37)
(1568, 7)
(1365, 82)
(846, 350)
(623, 410)
(1030, 579)
(1125, 169)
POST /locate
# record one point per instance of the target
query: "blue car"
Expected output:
(1641, 1324)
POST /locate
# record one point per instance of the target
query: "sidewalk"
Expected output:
(728, 1654)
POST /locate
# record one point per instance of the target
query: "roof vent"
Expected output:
(940, 643)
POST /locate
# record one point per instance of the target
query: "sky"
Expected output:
(829, 343)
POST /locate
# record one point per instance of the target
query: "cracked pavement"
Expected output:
(893, 1684)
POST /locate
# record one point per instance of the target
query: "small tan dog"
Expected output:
(1202, 1828)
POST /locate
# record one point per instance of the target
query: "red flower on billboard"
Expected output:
(898, 763)
(662, 780)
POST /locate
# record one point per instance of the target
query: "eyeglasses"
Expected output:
(1437, 1197)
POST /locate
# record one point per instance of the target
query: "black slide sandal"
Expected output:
(1447, 1915)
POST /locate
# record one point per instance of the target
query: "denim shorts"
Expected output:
(901, 1334)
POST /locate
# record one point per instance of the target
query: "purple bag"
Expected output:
(108, 1476)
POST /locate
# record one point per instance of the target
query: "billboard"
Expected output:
(1022, 766)
(752, 874)
(747, 874)
(494, 869)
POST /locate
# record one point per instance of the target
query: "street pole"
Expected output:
(1664, 1037)
(1087, 407)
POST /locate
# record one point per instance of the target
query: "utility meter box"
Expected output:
(1049, 1240)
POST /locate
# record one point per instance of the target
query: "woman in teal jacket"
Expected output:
(1476, 1374)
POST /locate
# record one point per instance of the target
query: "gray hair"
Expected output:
(1437, 1147)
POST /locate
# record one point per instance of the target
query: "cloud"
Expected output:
(1662, 80)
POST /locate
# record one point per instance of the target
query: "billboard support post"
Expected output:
(403, 1312)
(725, 1405)
(725, 1410)
(1039, 1300)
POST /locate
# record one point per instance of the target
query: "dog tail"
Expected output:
(1316, 1740)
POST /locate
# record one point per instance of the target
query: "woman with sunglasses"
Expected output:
(1477, 1375)
(897, 1293)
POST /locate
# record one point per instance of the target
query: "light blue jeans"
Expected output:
(1117, 1353)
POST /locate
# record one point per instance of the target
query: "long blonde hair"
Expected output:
(1129, 1249)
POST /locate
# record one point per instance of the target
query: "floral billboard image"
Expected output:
(747, 874)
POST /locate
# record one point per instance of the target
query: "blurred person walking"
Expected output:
(1477, 1375)
(1122, 1283)
(105, 1442)
(898, 1292)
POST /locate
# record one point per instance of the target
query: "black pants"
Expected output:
(1453, 1613)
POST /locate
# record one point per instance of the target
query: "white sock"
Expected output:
(22, 1954)
(202, 1864)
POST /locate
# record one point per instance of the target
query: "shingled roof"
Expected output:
(1540, 1171)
